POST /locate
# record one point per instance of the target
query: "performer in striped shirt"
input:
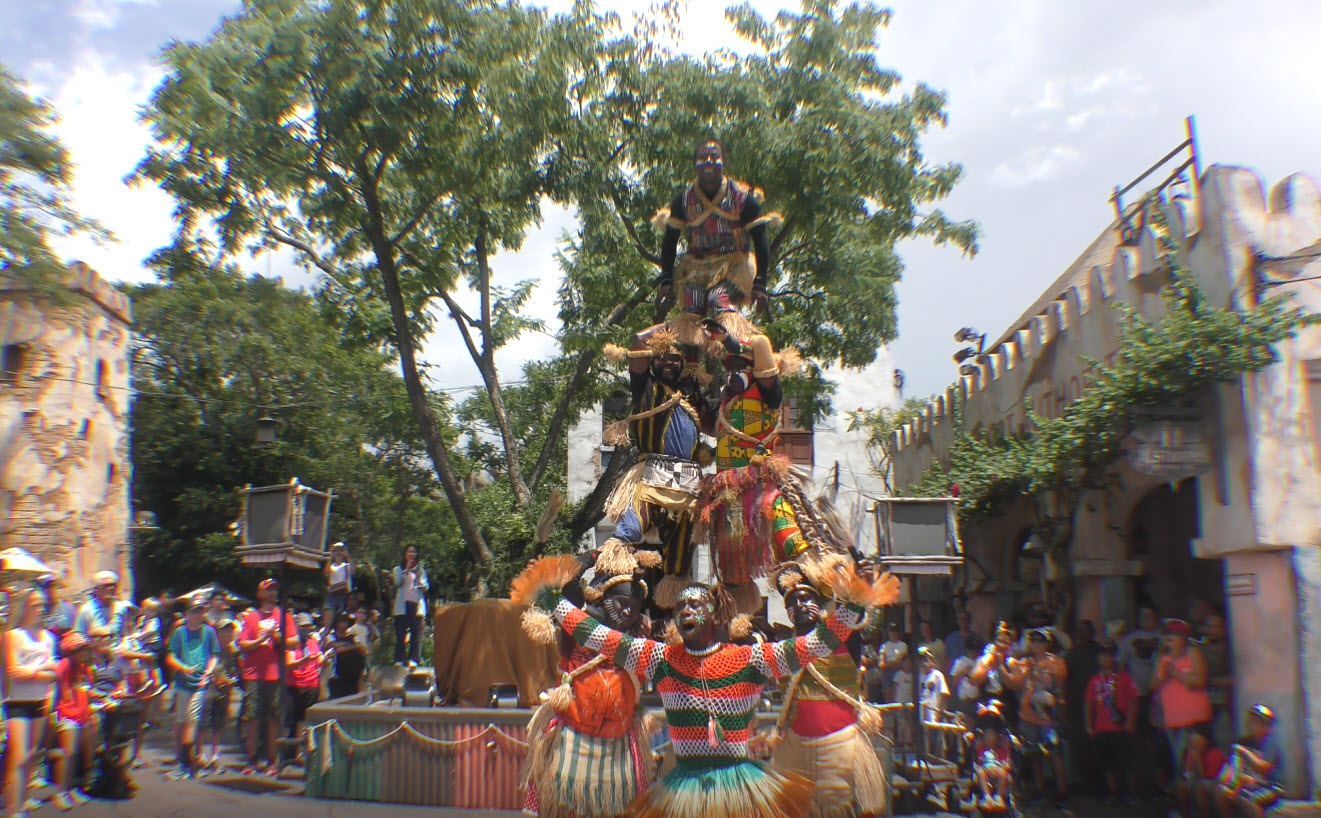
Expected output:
(711, 692)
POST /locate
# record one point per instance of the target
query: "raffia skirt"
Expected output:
(574, 775)
(718, 788)
(845, 768)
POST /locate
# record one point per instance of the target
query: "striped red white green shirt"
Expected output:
(725, 682)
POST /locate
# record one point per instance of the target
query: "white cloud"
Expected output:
(1034, 165)
(99, 125)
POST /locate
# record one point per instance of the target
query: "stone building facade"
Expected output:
(64, 426)
(1240, 525)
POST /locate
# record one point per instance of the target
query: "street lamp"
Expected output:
(267, 428)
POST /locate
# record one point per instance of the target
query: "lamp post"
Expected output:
(917, 537)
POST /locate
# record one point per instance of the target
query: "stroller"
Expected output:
(110, 778)
(992, 757)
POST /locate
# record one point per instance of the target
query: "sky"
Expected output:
(1050, 106)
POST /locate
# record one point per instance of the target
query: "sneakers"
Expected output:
(251, 769)
(180, 774)
(63, 802)
(273, 771)
(79, 797)
(412, 664)
(39, 782)
(33, 804)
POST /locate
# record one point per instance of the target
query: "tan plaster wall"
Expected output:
(64, 461)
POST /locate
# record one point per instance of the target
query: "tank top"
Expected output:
(1181, 705)
(339, 574)
(31, 653)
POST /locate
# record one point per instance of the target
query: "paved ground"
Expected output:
(231, 795)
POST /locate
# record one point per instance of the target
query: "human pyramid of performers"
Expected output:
(589, 750)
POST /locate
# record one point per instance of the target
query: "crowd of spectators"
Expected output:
(1143, 712)
(88, 682)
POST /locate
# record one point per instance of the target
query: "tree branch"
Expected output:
(580, 370)
(306, 249)
(459, 316)
(632, 231)
(416, 220)
(781, 236)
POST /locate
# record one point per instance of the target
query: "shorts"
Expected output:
(33, 711)
(261, 701)
(1039, 735)
(1112, 751)
(301, 698)
(215, 714)
(186, 705)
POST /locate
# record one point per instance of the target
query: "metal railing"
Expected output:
(1128, 231)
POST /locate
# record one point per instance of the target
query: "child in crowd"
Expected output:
(1199, 774)
(75, 725)
(1251, 779)
(224, 679)
(992, 759)
(1110, 712)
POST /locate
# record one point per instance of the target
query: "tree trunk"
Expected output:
(585, 359)
(417, 394)
(491, 376)
(594, 508)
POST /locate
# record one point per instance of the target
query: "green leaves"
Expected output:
(35, 174)
(1191, 346)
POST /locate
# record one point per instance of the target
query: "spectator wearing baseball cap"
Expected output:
(74, 726)
(193, 654)
(103, 608)
(258, 640)
(1110, 713)
(1259, 764)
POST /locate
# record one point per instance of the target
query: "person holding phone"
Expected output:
(410, 605)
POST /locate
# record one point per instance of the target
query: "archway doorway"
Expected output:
(1161, 531)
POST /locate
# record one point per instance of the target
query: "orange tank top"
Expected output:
(1180, 705)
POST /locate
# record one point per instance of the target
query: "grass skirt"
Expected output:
(845, 768)
(574, 775)
(725, 789)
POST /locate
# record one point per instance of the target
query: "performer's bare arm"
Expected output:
(641, 657)
(785, 658)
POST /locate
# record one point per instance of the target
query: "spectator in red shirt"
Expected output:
(305, 665)
(261, 675)
(1111, 715)
(75, 728)
(1199, 776)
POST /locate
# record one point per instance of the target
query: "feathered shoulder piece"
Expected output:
(844, 580)
(539, 587)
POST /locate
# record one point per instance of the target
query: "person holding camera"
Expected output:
(261, 674)
(339, 578)
(410, 605)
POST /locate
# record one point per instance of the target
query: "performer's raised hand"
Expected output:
(761, 302)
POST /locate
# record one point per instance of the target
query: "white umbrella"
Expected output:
(18, 561)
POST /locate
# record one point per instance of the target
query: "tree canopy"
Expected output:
(35, 178)
(398, 145)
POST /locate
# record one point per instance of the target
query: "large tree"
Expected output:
(397, 145)
(217, 349)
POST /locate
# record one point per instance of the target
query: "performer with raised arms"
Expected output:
(711, 690)
(825, 728)
(659, 494)
(588, 754)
